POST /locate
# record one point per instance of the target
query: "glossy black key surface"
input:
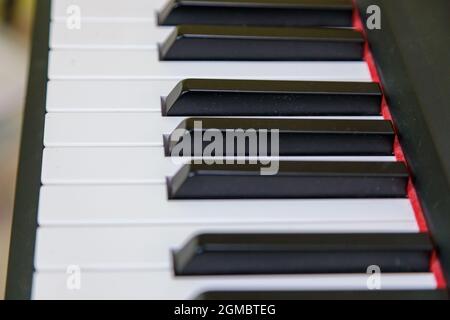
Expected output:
(292, 180)
(223, 254)
(294, 137)
(210, 97)
(326, 295)
(189, 42)
(286, 13)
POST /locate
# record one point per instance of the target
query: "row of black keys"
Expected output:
(260, 30)
(248, 254)
(296, 138)
(190, 42)
(193, 97)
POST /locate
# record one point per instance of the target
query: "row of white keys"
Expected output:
(105, 209)
(128, 165)
(108, 35)
(145, 64)
(148, 205)
(163, 285)
(120, 129)
(107, 10)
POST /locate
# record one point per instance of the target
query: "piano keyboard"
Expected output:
(138, 222)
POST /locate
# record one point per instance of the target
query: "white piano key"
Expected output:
(108, 35)
(104, 10)
(110, 129)
(145, 64)
(127, 165)
(142, 205)
(150, 248)
(119, 129)
(105, 165)
(163, 285)
(107, 96)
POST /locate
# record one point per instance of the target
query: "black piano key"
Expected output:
(325, 295)
(283, 13)
(297, 137)
(209, 97)
(189, 42)
(292, 180)
(234, 254)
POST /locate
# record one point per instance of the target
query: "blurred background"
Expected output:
(15, 28)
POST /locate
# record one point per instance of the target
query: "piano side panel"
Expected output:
(412, 52)
(20, 267)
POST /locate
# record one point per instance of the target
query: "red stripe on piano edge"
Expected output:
(435, 265)
(436, 268)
